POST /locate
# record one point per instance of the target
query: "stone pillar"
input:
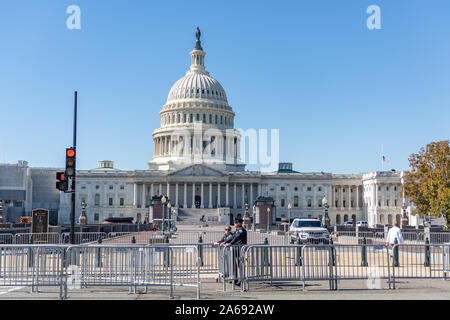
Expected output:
(201, 195)
(176, 194)
(143, 195)
(357, 197)
(234, 198)
(349, 197)
(160, 190)
(151, 191)
(193, 195)
(210, 196)
(218, 195)
(185, 196)
(243, 196)
(341, 197)
(168, 190)
(135, 194)
(250, 201)
(227, 198)
(259, 190)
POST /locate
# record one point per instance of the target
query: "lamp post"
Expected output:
(404, 221)
(268, 213)
(163, 201)
(169, 211)
(289, 213)
(325, 219)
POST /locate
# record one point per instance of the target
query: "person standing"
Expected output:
(239, 239)
(394, 233)
(227, 237)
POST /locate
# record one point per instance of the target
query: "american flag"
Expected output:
(385, 159)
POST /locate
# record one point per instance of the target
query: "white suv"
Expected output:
(308, 230)
(362, 224)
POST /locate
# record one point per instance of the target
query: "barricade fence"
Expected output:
(379, 237)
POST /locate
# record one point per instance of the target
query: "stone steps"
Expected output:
(191, 216)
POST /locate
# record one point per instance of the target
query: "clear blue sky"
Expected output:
(336, 90)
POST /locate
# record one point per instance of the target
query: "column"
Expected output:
(250, 202)
(185, 196)
(243, 196)
(218, 196)
(341, 197)
(135, 192)
(143, 196)
(201, 195)
(151, 190)
(234, 198)
(193, 195)
(259, 190)
(376, 194)
(227, 202)
(168, 190)
(210, 196)
(160, 189)
(176, 194)
(314, 202)
(349, 197)
(357, 197)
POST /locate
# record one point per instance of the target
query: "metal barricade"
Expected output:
(419, 261)
(32, 265)
(136, 266)
(6, 238)
(83, 237)
(37, 238)
(144, 237)
(230, 259)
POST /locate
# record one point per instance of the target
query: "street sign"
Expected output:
(39, 221)
(24, 219)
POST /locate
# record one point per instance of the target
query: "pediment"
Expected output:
(198, 170)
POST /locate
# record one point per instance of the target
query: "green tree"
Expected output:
(428, 182)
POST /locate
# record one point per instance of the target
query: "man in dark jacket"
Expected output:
(239, 239)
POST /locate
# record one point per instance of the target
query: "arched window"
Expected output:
(338, 219)
(345, 218)
(210, 118)
(390, 219)
(381, 219)
(397, 218)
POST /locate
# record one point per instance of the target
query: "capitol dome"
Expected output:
(197, 124)
(197, 85)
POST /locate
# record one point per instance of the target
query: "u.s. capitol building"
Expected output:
(197, 165)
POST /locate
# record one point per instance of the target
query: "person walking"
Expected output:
(394, 233)
(239, 239)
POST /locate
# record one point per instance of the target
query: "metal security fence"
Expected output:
(6, 238)
(33, 266)
(84, 237)
(37, 238)
(409, 237)
(420, 261)
(253, 237)
(135, 266)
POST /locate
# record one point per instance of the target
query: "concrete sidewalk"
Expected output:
(348, 290)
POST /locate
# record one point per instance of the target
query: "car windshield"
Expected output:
(307, 224)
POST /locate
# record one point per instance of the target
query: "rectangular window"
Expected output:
(110, 201)
(309, 189)
(282, 203)
(295, 201)
(309, 203)
(282, 188)
(96, 217)
(121, 201)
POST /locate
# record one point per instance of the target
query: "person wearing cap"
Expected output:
(239, 239)
(227, 237)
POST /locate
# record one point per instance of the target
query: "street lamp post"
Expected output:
(404, 221)
(163, 201)
(169, 211)
(268, 213)
(289, 213)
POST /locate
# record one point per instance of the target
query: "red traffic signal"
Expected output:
(70, 162)
(61, 182)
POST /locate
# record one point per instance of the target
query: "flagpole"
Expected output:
(382, 160)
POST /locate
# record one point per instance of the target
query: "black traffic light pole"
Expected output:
(72, 213)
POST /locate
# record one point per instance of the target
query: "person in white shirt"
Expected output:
(394, 233)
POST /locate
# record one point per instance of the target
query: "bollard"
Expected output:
(99, 253)
(427, 253)
(200, 250)
(166, 252)
(395, 253)
(133, 239)
(298, 260)
(364, 253)
(30, 253)
(332, 261)
(266, 253)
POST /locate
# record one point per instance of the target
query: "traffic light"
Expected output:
(70, 162)
(61, 181)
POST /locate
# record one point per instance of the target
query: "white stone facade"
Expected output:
(196, 162)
